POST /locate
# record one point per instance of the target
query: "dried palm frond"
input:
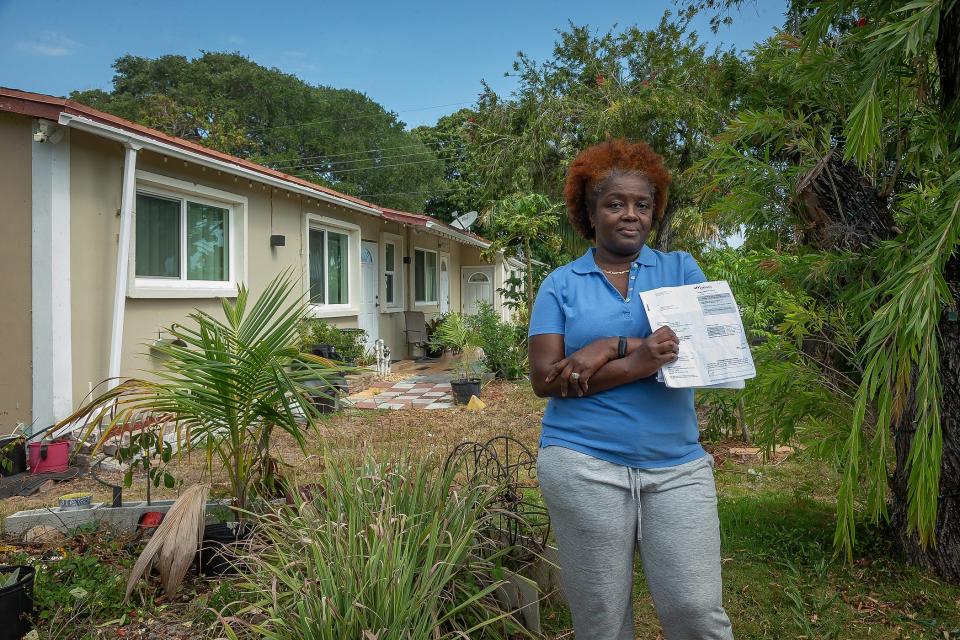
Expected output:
(175, 542)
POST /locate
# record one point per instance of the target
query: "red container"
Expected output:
(49, 457)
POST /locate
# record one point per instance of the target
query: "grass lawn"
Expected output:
(780, 577)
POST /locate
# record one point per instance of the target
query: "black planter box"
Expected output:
(218, 550)
(16, 603)
(15, 455)
(463, 389)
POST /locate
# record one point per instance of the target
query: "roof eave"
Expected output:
(145, 142)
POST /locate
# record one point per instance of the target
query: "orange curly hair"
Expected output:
(595, 164)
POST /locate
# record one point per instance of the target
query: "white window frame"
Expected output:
(397, 242)
(352, 231)
(436, 278)
(236, 205)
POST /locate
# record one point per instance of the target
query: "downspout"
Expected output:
(123, 260)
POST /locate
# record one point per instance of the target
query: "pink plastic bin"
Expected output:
(49, 457)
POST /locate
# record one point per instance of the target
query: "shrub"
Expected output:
(504, 344)
(350, 344)
(385, 550)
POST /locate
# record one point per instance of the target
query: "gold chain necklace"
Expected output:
(614, 273)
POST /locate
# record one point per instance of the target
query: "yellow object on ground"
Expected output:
(475, 404)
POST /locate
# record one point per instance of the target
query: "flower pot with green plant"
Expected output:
(237, 381)
(468, 381)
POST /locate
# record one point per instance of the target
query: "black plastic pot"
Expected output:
(218, 550)
(463, 389)
(327, 351)
(16, 603)
(13, 449)
(332, 388)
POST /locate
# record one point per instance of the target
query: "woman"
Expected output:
(620, 465)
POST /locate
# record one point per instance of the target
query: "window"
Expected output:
(389, 272)
(179, 239)
(391, 257)
(189, 240)
(329, 266)
(425, 276)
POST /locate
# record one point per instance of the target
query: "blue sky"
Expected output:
(419, 59)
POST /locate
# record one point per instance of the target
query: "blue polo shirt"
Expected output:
(642, 424)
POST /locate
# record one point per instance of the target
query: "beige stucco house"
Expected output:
(112, 231)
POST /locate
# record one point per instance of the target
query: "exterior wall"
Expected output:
(97, 172)
(96, 179)
(16, 396)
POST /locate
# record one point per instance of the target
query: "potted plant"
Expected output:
(13, 454)
(469, 380)
(236, 381)
(433, 349)
(455, 332)
(16, 600)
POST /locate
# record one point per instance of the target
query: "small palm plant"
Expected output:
(226, 385)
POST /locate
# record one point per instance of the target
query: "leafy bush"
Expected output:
(351, 344)
(385, 550)
(455, 332)
(504, 344)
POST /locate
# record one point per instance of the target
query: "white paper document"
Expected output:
(713, 345)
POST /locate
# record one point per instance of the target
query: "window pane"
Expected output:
(158, 237)
(315, 248)
(336, 268)
(431, 273)
(207, 242)
(389, 257)
(389, 277)
(419, 289)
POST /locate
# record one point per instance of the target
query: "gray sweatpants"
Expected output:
(601, 511)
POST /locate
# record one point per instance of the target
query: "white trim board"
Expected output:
(52, 346)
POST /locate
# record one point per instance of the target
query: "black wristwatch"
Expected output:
(622, 347)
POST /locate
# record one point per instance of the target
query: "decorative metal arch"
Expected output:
(507, 463)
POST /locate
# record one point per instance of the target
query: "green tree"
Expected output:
(661, 86)
(849, 159)
(336, 137)
(520, 222)
(452, 140)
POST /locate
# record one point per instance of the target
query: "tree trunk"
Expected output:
(842, 210)
(528, 258)
(943, 556)
(664, 237)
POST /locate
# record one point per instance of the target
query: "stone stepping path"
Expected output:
(426, 393)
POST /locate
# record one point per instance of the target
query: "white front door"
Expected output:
(477, 287)
(444, 293)
(369, 319)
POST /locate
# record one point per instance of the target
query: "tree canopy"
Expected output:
(337, 137)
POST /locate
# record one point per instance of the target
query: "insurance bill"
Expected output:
(713, 345)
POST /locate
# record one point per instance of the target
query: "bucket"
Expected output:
(49, 457)
(16, 603)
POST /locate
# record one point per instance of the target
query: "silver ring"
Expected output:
(574, 376)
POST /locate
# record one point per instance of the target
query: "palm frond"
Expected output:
(175, 543)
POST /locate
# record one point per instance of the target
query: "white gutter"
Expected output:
(173, 151)
(460, 237)
(123, 262)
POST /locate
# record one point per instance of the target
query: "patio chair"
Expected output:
(415, 329)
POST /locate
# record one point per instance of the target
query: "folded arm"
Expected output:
(596, 365)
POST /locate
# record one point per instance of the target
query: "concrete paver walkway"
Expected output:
(421, 392)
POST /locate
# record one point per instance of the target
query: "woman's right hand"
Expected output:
(659, 348)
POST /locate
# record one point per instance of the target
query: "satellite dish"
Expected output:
(464, 221)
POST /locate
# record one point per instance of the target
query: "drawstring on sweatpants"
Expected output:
(634, 478)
